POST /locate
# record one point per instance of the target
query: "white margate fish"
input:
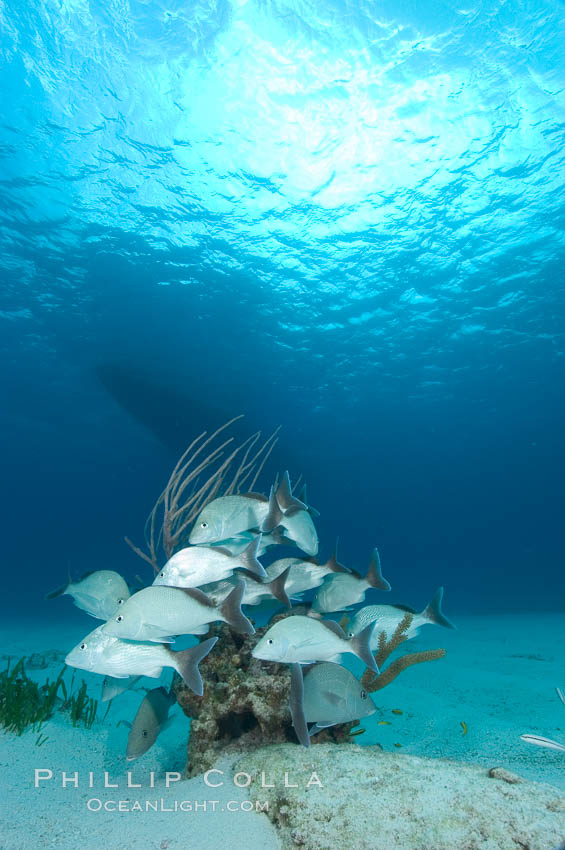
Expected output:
(158, 613)
(387, 617)
(298, 526)
(305, 640)
(325, 695)
(340, 591)
(101, 653)
(255, 590)
(305, 573)
(228, 516)
(99, 593)
(332, 694)
(236, 545)
(194, 566)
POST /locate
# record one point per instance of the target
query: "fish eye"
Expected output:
(121, 601)
(145, 733)
(119, 619)
(350, 634)
(270, 641)
(162, 575)
(83, 646)
(363, 694)
(203, 525)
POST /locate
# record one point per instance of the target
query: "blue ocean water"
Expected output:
(346, 218)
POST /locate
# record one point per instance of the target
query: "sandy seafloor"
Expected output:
(498, 678)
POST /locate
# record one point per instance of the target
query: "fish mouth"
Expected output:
(260, 654)
(70, 663)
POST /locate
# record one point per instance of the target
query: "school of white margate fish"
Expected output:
(211, 580)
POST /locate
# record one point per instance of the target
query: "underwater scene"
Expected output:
(282, 325)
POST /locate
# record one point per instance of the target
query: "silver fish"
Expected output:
(387, 617)
(198, 565)
(99, 593)
(342, 590)
(305, 640)
(333, 695)
(157, 613)
(538, 741)
(305, 573)
(149, 721)
(236, 545)
(114, 687)
(328, 694)
(110, 656)
(255, 590)
(228, 516)
(298, 526)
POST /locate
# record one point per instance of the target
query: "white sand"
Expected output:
(498, 677)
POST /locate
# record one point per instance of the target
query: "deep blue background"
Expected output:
(408, 336)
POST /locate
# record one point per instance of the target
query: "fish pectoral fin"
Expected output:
(154, 634)
(334, 699)
(306, 642)
(317, 727)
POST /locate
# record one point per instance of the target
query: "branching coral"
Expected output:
(373, 682)
(228, 471)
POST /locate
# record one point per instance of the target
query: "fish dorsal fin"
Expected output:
(274, 515)
(286, 500)
(333, 564)
(223, 550)
(335, 628)
(355, 573)
(86, 574)
(259, 497)
(197, 595)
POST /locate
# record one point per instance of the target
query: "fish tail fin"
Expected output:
(248, 558)
(186, 664)
(278, 590)
(274, 514)
(297, 704)
(374, 573)
(361, 646)
(433, 612)
(231, 611)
